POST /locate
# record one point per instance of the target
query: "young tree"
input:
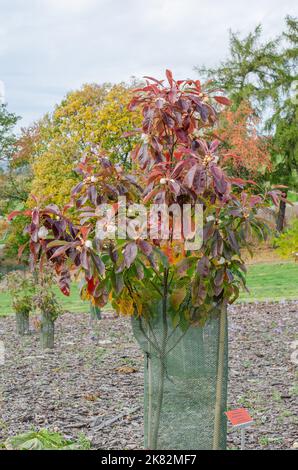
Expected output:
(21, 287)
(157, 277)
(46, 303)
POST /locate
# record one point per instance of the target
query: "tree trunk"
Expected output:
(172, 372)
(47, 331)
(22, 326)
(160, 393)
(162, 366)
(150, 395)
(280, 221)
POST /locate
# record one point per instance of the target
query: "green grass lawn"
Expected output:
(271, 282)
(293, 196)
(265, 281)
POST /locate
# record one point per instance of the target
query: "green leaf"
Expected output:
(55, 243)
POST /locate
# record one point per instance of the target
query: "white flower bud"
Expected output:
(88, 244)
(42, 232)
(163, 180)
(145, 138)
(111, 228)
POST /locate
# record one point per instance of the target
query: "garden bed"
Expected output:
(93, 384)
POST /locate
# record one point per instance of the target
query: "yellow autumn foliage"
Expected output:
(128, 303)
(93, 117)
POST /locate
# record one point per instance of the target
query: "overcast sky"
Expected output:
(48, 47)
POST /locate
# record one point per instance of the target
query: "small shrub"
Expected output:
(45, 440)
(21, 287)
(45, 302)
(287, 242)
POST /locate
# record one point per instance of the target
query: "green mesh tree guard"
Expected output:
(185, 383)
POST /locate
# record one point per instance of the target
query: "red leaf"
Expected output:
(84, 232)
(65, 290)
(198, 85)
(188, 180)
(214, 145)
(169, 76)
(219, 179)
(35, 216)
(148, 119)
(60, 251)
(172, 95)
(13, 214)
(21, 249)
(255, 200)
(160, 82)
(182, 135)
(150, 195)
(168, 120)
(90, 285)
(222, 100)
(238, 182)
(145, 247)
(203, 266)
(99, 264)
(178, 168)
(84, 260)
(135, 152)
(130, 253)
(274, 197)
(175, 187)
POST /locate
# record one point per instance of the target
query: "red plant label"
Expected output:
(239, 416)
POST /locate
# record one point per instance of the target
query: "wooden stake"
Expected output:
(150, 397)
(220, 372)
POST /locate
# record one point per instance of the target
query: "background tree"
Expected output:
(15, 185)
(94, 116)
(46, 153)
(9, 182)
(7, 138)
(265, 73)
(247, 153)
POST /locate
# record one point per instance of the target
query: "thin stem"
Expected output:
(156, 288)
(173, 331)
(153, 334)
(147, 337)
(162, 369)
(178, 341)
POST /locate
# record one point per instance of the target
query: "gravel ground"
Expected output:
(87, 381)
